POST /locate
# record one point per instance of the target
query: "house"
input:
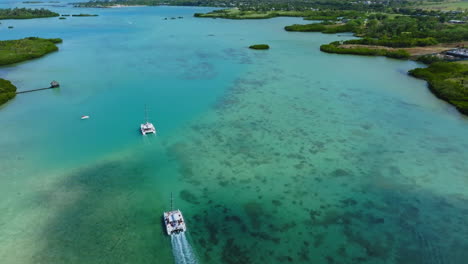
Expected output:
(460, 53)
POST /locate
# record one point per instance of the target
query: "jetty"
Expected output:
(53, 84)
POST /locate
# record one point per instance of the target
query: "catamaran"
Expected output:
(174, 221)
(147, 127)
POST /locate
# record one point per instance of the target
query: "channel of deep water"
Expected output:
(288, 155)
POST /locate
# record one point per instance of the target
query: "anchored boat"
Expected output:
(174, 221)
(147, 127)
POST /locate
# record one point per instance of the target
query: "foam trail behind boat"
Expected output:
(182, 251)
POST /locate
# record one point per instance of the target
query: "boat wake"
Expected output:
(181, 249)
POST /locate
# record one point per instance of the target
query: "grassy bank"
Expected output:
(448, 81)
(14, 51)
(25, 13)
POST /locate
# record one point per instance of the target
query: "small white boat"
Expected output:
(84, 117)
(174, 221)
(147, 127)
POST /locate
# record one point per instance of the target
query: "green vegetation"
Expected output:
(62, 17)
(260, 46)
(429, 59)
(333, 14)
(7, 91)
(14, 51)
(445, 5)
(394, 31)
(334, 47)
(236, 13)
(83, 15)
(245, 13)
(26, 13)
(409, 28)
(395, 42)
(320, 27)
(448, 81)
(266, 5)
(316, 27)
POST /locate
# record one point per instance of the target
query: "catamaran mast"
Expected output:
(146, 114)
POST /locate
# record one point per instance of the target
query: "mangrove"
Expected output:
(14, 51)
(448, 81)
(7, 91)
(320, 27)
(335, 47)
(260, 46)
(25, 13)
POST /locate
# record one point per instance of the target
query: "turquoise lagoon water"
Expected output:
(282, 156)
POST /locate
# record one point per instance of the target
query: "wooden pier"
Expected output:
(33, 90)
(53, 85)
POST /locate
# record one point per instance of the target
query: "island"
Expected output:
(83, 15)
(14, 51)
(25, 13)
(259, 47)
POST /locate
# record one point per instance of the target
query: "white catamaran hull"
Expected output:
(174, 222)
(147, 128)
